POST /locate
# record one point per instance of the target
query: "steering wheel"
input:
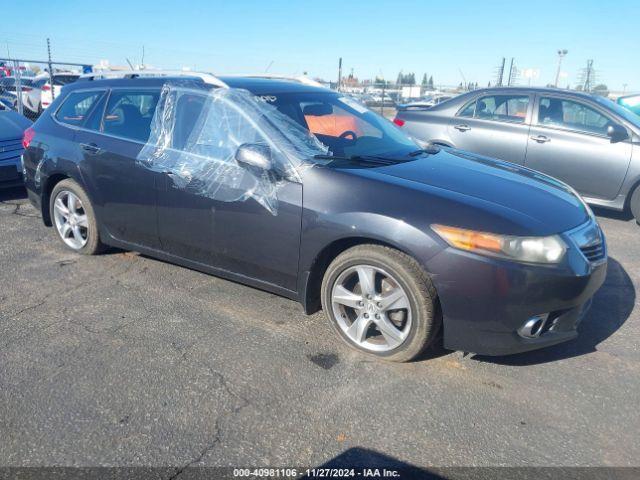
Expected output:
(349, 133)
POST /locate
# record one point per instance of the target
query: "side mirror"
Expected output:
(254, 155)
(617, 133)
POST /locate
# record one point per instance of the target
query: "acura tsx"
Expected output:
(303, 192)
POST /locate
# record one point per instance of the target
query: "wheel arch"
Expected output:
(635, 185)
(50, 183)
(312, 280)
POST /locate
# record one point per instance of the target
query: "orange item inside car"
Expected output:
(332, 125)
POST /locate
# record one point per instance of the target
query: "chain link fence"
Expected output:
(29, 87)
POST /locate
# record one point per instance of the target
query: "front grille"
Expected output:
(10, 149)
(593, 252)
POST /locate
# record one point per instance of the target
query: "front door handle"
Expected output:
(541, 139)
(462, 128)
(91, 148)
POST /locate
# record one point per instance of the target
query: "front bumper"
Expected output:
(485, 301)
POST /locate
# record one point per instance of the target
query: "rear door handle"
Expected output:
(541, 139)
(91, 148)
(462, 127)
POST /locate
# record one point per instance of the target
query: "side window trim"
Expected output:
(466, 105)
(105, 97)
(561, 128)
(104, 111)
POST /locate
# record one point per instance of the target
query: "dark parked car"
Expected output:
(395, 242)
(587, 141)
(12, 127)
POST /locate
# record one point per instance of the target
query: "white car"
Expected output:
(30, 94)
(60, 79)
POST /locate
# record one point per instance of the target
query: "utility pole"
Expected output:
(53, 94)
(339, 73)
(510, 73)
(500, 73)
(588, 77)
(561, 54)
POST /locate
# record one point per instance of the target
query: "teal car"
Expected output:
(631, 103)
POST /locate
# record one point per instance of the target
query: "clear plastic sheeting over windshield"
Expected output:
(196, 133)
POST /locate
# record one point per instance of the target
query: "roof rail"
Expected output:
(205, 77)
(300, 78)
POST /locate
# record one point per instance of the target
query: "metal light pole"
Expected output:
(561, 54)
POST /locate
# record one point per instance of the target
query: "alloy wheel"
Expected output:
(371, 308)
(71, 219)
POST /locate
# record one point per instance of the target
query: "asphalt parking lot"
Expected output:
(120, 359)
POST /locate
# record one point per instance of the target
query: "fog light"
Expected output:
(534, 326)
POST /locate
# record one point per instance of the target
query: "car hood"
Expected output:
(545, 203)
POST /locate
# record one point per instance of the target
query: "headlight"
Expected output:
(523, 249)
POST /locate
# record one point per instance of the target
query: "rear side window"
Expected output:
(77, 106)
(501, 108)
(129, 113)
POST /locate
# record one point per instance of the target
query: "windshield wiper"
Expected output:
(376, 159)
(429, 149)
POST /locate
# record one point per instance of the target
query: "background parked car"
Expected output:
(60, 79)
(426, 102)
(586, 141)
(12, 127)
(31, 94)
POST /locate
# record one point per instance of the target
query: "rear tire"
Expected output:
(634, 204)
(74, 219)
(380, 301)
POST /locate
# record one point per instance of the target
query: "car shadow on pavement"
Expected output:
(612, 306)
(624, 215)
(362, 459)
(16, 193)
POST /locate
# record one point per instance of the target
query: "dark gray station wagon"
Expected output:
(303, 192)
(587, 141)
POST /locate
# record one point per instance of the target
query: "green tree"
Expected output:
(431, 82)
(425, 82)
(601, 90)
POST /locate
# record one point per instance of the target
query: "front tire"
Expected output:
(74, 219)
(381, 302)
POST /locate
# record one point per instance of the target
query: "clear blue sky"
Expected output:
(375, 37)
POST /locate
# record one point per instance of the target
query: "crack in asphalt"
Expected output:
(44, 300)
(209, 447)
(217, 430)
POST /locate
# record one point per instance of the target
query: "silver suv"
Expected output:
(586, 141)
